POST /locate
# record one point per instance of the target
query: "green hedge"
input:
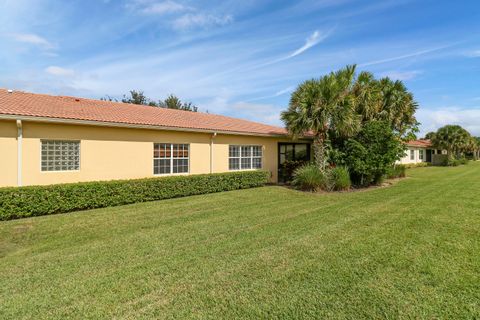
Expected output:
(61, 198)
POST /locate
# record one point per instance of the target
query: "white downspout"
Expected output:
(211, 151)
(19, 152)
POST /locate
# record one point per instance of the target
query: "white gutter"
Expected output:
(136, 126)
(19, 152)
(211, 151)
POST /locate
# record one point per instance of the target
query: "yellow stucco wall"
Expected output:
(8, 153)
(109, 153)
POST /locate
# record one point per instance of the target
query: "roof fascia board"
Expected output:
(132, 126)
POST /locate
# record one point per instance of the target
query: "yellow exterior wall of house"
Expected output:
(8, 153)
(111, 153)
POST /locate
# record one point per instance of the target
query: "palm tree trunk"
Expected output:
(320, 151)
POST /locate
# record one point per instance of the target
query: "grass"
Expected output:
(407, 251)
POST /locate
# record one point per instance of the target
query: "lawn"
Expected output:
(411, 250)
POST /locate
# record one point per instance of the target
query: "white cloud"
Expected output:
(473, 54)
(264, 113)
(311, 41)
(32, 39)
(401, 75)
(401, 57)
(59, 71)
(181, 16)
(157, 7)
(284, 91)
(276, 94)
(314, 39)
(203, 20)
(431, 120)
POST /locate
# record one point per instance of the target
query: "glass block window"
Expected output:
(170, 158)
(60, 155)
(244, 157)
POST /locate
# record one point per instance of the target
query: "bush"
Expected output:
(309, 178)
(454, 162)
(340, 179)
(62, 198)
(370, 153)
(397, 171)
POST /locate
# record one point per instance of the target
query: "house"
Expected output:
(48, 139)
(419, 151)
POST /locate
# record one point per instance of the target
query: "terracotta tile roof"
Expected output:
(425, 143)
(25, 104)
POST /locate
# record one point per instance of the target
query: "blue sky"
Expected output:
(243, 58)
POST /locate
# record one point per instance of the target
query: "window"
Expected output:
(170, 158)
(60, 155)
(412, 154)
(420, 154)
(244, 157)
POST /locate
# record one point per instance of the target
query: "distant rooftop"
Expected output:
(426, 143)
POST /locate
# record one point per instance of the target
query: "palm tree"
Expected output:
(368, 96)
(320, 106)
(477, 153)
(452, 138)
(398, 106)
(473, 146)
(386, 100)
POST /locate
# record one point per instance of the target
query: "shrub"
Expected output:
(397, 171)
(455, 162)
(62, 198)
(340, 178)
(309, 178)
(378, 179)
(372, 152)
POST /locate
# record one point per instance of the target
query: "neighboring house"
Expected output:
(55, 139)
(419, 151)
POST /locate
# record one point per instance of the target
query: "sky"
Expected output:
(244, 58)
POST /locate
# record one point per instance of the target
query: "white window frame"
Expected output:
(240, 157)
(61, 140)
(412, 154)
(421, 154)
(171, 158)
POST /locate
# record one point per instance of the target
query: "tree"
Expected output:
(473, 147)
(320, 106)
(372, 152)
(388, 101)
(108, 98)
(138, 97)
(398, 108)
(173, 102)
(477, 153)
(335, 106)
(452, 138)
(368, 96)
(430, 135)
